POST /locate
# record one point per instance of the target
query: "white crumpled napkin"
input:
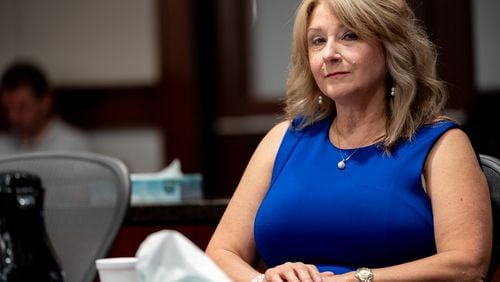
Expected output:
(168, 256)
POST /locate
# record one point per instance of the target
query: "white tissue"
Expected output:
(173, 170)
(168, 256)
(157, 187)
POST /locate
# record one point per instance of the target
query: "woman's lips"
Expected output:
(337, 74)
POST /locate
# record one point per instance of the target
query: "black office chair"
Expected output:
(491, 168)
(86, 198)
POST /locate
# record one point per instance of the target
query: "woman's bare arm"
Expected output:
(232, 246)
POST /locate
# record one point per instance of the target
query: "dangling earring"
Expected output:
(392, 91)
(320, 99)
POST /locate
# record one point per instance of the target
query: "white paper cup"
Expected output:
(117, 269)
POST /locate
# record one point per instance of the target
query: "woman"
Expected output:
(365, 181)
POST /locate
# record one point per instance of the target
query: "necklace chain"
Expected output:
(342, 163)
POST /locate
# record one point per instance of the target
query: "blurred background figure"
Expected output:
(27, 102)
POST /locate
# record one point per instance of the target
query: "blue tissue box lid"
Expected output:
(155, 190)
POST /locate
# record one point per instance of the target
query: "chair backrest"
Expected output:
(491, 168)
(86, 198)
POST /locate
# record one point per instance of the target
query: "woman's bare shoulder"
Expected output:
(279, 129)
(271, 142)
(453, 155)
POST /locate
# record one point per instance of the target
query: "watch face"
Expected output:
(364, 273)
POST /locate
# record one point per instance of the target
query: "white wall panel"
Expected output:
(487, 44)
(271, 46)
(89, 42)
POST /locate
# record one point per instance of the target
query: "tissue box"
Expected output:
(161, 190)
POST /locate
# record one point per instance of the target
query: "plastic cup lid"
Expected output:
(116, 263)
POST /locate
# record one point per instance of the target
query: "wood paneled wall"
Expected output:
(447, 21)
(204, 51)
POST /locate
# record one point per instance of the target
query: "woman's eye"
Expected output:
(316, 40)
(350, 36)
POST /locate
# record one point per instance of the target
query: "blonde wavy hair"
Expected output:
(410, 59)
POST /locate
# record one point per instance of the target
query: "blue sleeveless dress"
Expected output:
(373, 213)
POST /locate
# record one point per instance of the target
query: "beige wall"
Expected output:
(487, 44)
(89, 42)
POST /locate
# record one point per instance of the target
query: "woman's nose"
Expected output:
(330, 52)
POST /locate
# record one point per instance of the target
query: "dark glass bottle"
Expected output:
(25, 250)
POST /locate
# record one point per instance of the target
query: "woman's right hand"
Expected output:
(293, 272)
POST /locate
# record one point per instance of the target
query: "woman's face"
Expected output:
(344, 65)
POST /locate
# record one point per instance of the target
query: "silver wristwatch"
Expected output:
(364, 274)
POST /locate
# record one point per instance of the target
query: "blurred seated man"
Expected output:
(27, 102)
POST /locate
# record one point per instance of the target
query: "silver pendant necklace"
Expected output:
(342, 163)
